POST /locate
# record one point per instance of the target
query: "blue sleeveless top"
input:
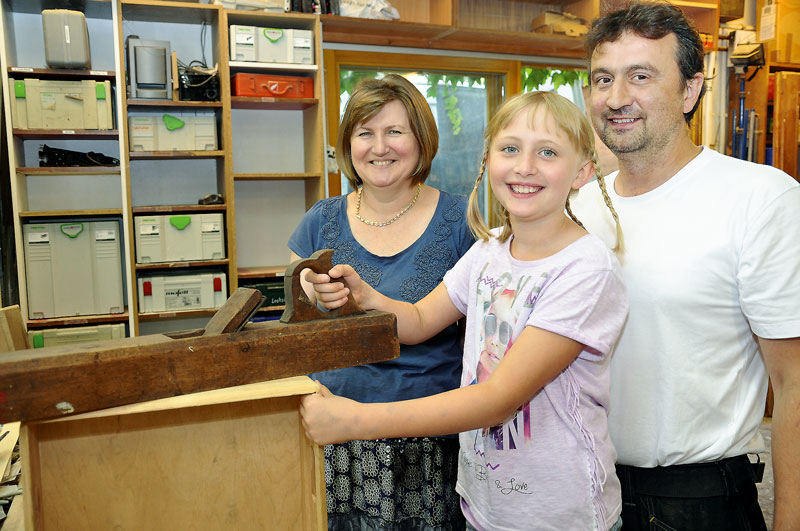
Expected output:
(421, 370)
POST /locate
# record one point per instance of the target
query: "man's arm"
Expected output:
(782, 359)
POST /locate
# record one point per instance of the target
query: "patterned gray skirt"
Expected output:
(393, 484)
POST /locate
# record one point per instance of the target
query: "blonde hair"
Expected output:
(367, 100)
(575, 126)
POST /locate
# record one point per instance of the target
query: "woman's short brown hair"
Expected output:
(367, 99)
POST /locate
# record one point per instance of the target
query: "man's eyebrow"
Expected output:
(627, 70)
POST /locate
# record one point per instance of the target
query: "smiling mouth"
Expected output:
(622, 120)
(524, 189)
(381, 162)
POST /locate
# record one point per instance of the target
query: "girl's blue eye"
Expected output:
(548, 153)
(509, 149)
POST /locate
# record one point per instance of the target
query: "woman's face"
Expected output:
(383, 149)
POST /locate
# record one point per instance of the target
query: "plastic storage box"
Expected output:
(55, 104)
(66, 39)
(49, 337)
(176, 238)
(73, 268)
(271, 85)
(173, 133)
(172, 293)
(271, 45)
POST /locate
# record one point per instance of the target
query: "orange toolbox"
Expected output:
(273, 86)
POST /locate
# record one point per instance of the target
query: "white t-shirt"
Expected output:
(551, 465)
(712, 257)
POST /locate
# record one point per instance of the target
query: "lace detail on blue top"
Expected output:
(431, 261)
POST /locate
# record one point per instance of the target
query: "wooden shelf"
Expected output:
(167, 209)
(281, 104)
(170, 103)
(182, 265)
(274, 176)
(71, 213)
(78, 320)
(238, 66)
(53, 73)
(398, 33)
(66, 134)
(69, 170)
(261, 272)
(183, 314)
(152, 155)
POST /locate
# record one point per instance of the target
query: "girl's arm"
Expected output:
(415, 322)
(535, 359)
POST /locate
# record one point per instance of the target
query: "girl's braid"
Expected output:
(618, 248)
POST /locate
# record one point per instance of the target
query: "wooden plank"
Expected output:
(13, 335)
(55, 381)
(236, 311)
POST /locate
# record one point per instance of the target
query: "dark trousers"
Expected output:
(720, 496)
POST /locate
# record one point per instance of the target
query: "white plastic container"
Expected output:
(49, 337)
(243, 43)
(173, 133)
(56, 104)
(180, 237)
(73, 268)
(173, 293)
(277, 45)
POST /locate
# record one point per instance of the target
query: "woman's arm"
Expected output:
(535, 359)
(415, 322)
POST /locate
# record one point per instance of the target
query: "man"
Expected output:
(712, 263)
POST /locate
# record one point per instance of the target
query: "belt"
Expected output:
(704, 480)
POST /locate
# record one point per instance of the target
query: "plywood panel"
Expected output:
(231, 465)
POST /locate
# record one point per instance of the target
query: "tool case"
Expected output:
(271, 85)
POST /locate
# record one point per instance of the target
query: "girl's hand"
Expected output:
(332, 289)
(328, 418)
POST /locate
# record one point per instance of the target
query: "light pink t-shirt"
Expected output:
(550, 466)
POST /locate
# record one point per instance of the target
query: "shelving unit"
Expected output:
(772, 91)
(498, 26)
(59, 194)
(278, 154)
(268, 167)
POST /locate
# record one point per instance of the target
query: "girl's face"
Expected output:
(384, 149)
(533, 166)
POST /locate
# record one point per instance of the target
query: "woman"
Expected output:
(401, 236)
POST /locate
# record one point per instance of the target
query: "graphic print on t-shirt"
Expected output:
(502, 309)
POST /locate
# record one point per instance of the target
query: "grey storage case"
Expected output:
(66, 39)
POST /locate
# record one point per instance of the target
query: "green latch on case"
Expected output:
(100, 91)
(19, 89)
(180, 222)
(273, 34)
(72, 229)
(38, 340)
(172, 123)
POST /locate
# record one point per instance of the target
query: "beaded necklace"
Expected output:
(390, 221)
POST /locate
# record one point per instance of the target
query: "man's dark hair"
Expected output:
(653, 20)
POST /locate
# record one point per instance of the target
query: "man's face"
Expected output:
(638, 95)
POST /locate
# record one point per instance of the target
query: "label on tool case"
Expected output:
(212, 226)
(182, 299)
(149, 229)
(38, 237)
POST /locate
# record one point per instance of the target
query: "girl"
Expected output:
(544, 305)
